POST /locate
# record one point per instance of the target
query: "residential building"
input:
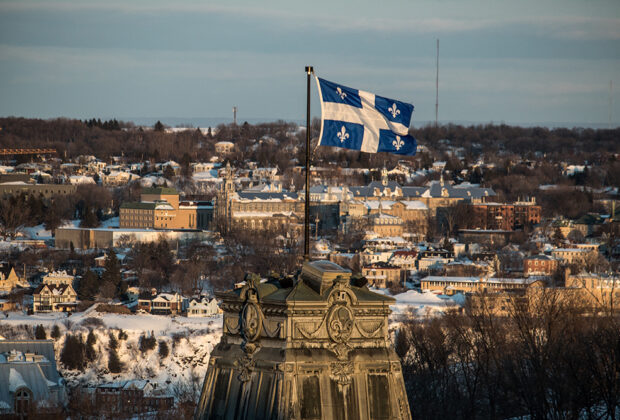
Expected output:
(202, 307)
(54, 298)
(58, 277)
(540, 265)
(381, 274)
(433, 258)
(224, 147)
(502, 216)
(162, 303)
(9, 280)
(573, 255)
(452, 285)
(599, 290)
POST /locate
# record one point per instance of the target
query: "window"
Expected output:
(22, 401)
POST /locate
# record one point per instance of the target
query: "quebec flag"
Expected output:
(363, 121)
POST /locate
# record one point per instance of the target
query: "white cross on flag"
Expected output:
(359, 120)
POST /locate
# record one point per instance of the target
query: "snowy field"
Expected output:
(190, 341)
(415, 304)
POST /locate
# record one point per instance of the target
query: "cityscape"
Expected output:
(282, 246)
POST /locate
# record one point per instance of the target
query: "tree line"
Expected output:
(550, 357)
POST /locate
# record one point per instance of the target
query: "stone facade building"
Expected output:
(271, 208)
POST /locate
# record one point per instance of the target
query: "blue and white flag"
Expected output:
(359, 120)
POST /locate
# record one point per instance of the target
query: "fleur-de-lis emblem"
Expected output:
(341, 93)
(398, 143)
(342, 134)
(394, 111)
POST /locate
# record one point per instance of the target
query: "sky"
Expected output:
(518, 62)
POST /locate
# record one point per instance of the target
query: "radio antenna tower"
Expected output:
(234, 115)
(437, 88)
(611, 103)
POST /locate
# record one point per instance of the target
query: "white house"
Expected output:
(202, 307)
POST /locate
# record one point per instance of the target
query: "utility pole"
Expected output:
(437, 88)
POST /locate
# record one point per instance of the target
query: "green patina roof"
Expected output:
(160, 191)
(272, 292)
(141, 206)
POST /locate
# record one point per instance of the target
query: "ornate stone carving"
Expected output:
(231, 325)
(341, 372)
(251, 321)
(369, 329)
(246, 367)
(340, 323)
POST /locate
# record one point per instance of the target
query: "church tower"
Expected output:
(223, 203)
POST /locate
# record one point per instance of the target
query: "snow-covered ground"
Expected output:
(419, 305)
(190, 342)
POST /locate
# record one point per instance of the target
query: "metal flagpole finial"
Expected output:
(309, 69)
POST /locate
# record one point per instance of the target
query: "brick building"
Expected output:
(160, 208)
(503, 216)
(539, 265)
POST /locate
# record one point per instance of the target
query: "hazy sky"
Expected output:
(514, 61)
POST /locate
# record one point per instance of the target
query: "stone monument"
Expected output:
(311, 347)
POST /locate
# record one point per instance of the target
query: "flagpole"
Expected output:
(309, 71)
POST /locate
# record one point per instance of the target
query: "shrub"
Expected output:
(147, 343)
(122, 335)
(114, 309)
(93, 322)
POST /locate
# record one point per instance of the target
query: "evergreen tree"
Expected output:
(168, 172)
(114, 363)
(89, 218)
(112, 273)
(113, 342)
(158, 126)
(90, 352)
(72, 355)
(55, 332)
(163, 349)
(89, 286)
(39, 332)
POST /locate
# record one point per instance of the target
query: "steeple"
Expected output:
(384, 176)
